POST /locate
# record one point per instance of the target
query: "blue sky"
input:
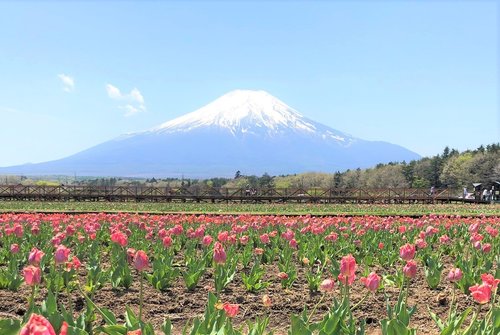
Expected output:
(74, 74)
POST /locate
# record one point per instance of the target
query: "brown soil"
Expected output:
(181, 306)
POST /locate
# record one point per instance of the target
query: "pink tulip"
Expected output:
(258, 251)
(455, 275)
(283, 275)
(327, 285)
(486, 248)
(207, 240)
(372, 282)
(119, 238)
(293, 244)
(38, 325)
(444, 239)
(346, 280)
(420, 243)
(348, 266)
(74, 264)
(219, 253)
(407, 251)
(32, 275)
(231, 309)
(167, 241)
(288, 235)
(141, 260)
(492, 231)
(130, 255)
(61, 255)
(14, 248)
(410, 269)
(222, 236)
(490, 280)
(266, 301)
(264, 238)
(35, 256)
(244, 239)
(481, 293)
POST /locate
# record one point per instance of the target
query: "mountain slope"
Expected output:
(250, 131)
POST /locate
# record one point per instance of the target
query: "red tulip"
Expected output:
(490, 280)
(231, 309)
(74, 264)
(141, 260)
(32, 275)
(119, 238)
(407, 251)
(481, 293)
(134, 332)
(372, 282)
(219, 253)
(38, 325)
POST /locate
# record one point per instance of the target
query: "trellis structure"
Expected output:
(199, 193)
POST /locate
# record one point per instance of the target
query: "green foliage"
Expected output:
(398, 321)
(433, 269)
(253, 281)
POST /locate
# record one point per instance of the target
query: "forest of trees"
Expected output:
(451, 169)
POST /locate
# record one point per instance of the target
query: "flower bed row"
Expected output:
(62, 255)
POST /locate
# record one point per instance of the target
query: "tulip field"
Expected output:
(130, 274)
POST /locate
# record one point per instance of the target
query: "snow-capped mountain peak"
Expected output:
(242, 111)
(251, 131)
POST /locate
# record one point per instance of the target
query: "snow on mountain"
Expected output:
(246, 111)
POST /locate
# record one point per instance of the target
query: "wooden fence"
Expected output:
(199, 193)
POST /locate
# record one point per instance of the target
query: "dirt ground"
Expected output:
(181, 306)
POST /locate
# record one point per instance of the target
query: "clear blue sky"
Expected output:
(422, 74)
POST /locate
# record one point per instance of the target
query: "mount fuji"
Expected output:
(250, 131)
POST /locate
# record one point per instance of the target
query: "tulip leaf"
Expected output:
(10, 327)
